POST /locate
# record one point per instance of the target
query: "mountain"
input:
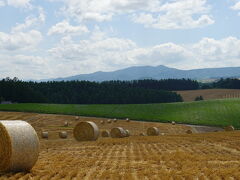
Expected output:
(157, 72)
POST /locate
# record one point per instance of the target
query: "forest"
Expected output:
(108, 92)
(85, 92)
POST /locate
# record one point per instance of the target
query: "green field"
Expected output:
(213, 113)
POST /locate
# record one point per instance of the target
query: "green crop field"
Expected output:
(213, 112)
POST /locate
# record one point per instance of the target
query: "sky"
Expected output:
(59, 38)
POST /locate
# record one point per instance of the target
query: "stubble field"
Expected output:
(172, 155)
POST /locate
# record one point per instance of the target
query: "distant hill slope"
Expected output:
(158, 72)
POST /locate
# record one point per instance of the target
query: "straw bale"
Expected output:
(173, 123)
(118, 132)
(86, 131)
(63, 134)
(66, 124)
(153, 131)
(105, 133)
(114, 120)
(127, 120)
(19, 146)
(102, 122)
(127, 133)
(109, 121)
(229, 128)
(45, 135)
(142, 134)
(76, 118)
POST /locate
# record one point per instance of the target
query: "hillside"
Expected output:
(209, 94)
(214, 113)
(157, 72)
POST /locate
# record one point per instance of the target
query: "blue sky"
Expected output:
(58, 38)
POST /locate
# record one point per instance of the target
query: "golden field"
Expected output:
(172, 155)
(209, 94)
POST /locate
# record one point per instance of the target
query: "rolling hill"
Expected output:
(213, 112)
(157, 72)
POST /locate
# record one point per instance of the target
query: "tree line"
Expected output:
(108, 92)
(85, 92)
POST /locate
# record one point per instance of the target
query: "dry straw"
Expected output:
(189, 131)
(86, 131)
(109, 121)
(153, 131)
(142, 134)
(19, 146)
(127, 120)
(63, 134)
(127, 133)
(102, 122)
(114, 120)
(66, 124)
(118, 132)
(45, 135)
(76, 118)
(173, 123)
(105, 133)
(229, 128)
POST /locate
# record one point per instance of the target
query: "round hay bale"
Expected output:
(86, 131)
(105, 133)
(142, 134)
(45, 135)
(173, 123)
(63, 134)
(118, 132)
(229, 128)
(109, 121)
(153, 131)
(19, 146)
(127, 133)
(162, 134)
(127, 120)
(102, 122)
(76, 118)
(66, 124)
(114, 120)
(189, 131)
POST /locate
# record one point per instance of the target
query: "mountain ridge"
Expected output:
(155, 72)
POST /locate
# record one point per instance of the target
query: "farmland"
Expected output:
(209, 94)
(213, 112)
(172, 155)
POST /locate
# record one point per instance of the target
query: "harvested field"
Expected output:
(209, 94)
(176, 155)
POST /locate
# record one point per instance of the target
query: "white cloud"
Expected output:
(225, 51)
(167, 54)
(102, 10)
(65, 28)
(105, 53)
(19, 40)
(19, 3)
(236, 6)
(2, 3)
(113, 53)
(27, 67)
(30, 21)
(180, 14)
(160, 14)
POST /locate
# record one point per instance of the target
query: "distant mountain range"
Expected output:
(157, 72)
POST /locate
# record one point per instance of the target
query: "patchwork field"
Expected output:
(172, 155)
(209, 94)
